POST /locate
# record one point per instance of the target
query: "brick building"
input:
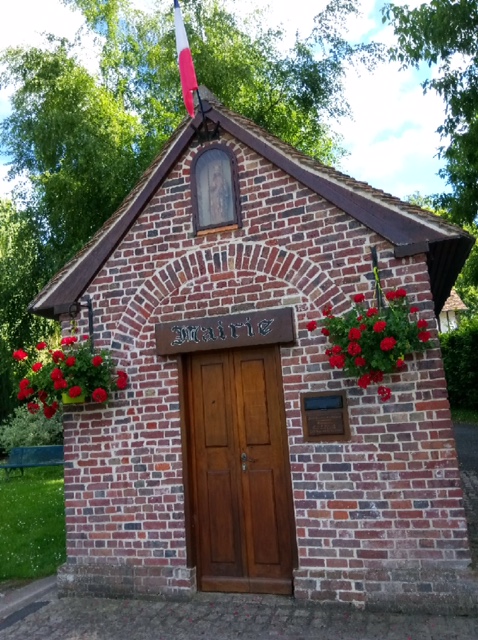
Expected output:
(237, 459)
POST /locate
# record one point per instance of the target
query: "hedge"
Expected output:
(460, 359)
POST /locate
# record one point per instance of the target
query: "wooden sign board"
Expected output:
(223, 332)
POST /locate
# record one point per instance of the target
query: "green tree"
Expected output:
(459, 359)
(442, 34)
(21, 271)
(242, 62)
(73, 141)
(80, 140)
(83, 141)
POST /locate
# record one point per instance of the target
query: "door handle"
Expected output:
(245, 458)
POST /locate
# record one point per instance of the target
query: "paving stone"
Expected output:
(100, 619)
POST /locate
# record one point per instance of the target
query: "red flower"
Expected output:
(377, 376)
(379, 326)
(385, 393)
(354, 349)
(359, 297)
(327, 310)
(364, 380)
(41, 346)
(363, 327)
(337, 361)
(56, 374)
(37, 366)
(57, 356)
(99, 395)
(391, 295)
(60, 384)
(336, 348)
(400, 293)
(75, 391)
(33, 407)
(400, 363)
(122, 383)
(360, 362)
(325, 331)
(372, 312)
(20, 355)
(70, 361)
(24, 384)
(311, 326)
(25, 393)
(49, 411)
(414, 309)
(355, 334)
(422, 324)
(424, 336)
(97, 361)
(69, 340)
(42, 395)
(387, 344)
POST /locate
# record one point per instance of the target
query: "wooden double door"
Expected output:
(242, 517)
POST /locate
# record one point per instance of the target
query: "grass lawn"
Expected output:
(32, 523)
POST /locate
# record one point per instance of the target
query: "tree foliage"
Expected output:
(23, 429)
(80, 140)
(442, 34)
(21, 272)
(74, 142)
(83, 140)
(459, 350)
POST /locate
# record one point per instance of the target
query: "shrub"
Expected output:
(459, 349)
(24, 429)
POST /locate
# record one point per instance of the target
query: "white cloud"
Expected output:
(391, 139)
(24, 21)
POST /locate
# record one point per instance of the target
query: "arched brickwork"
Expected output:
(306, 277)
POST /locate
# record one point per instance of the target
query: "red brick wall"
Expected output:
(388, 501)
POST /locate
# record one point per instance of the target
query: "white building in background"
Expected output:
(449, 317)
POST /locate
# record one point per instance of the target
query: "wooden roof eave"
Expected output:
(445, 261)
(400, 230)
(74, 284)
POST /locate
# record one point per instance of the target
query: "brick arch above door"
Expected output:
(304, 275)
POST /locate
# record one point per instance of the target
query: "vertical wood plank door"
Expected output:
(242, 499)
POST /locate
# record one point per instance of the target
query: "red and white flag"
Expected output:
(186, 65)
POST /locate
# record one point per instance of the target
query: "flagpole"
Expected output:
(186, 65)
(200, 104)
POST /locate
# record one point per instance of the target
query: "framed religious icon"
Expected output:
(215, 192)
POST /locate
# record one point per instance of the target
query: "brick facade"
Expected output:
(379, 519)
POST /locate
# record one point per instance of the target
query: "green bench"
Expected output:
(24, 457)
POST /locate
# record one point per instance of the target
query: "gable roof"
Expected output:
(454, 303)
(409, 228)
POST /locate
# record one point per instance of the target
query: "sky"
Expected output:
(391, 138)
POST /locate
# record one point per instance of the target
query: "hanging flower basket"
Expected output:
(368, 342)
(66, 399)
(66, 375)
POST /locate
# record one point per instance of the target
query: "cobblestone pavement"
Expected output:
(222, 617)
(230, 617)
